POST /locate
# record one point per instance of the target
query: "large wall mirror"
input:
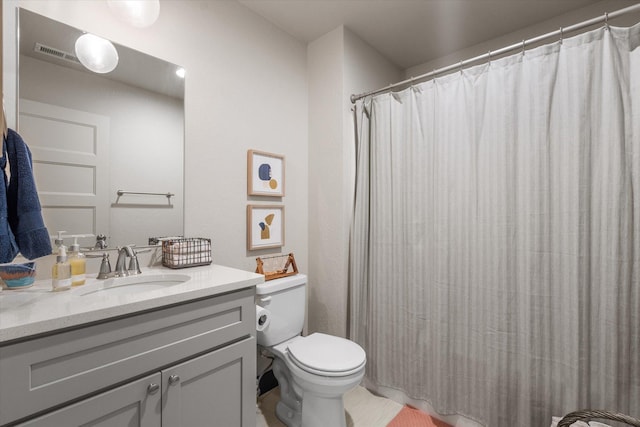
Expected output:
(107, 149)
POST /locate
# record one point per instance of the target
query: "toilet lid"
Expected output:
(321, 353)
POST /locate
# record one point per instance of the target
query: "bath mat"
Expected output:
(362, 409)
(411, 417)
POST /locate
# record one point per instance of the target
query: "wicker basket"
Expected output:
(186, 252)
(588, 415)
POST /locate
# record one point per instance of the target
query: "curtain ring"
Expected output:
(606, 21)
(461, 66)
(489, 56)
(523, 45)
(561, 34)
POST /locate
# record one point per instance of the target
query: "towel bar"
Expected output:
(143, 193)
(167, 195)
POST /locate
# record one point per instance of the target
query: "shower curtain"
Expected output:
(496, 240)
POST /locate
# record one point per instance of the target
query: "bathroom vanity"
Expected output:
(179, 352)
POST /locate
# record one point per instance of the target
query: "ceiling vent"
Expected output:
(52, 51)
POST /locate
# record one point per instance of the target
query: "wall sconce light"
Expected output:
(97, 54)
(180, 72)
(139, 13)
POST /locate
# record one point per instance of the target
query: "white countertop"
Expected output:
(38, 309)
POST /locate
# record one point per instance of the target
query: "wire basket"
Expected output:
(588, 415)
(186, 252)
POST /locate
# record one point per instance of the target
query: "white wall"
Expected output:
(327, 297)
(246, 88)
(340, 64)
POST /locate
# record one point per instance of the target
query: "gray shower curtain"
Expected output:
(496, 239)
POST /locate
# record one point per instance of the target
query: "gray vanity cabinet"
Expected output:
(181, 365)
(204, 391)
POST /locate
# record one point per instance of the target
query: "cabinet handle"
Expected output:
(173, 379)
(153, 388)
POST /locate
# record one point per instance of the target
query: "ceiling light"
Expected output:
(139, 13)
(180, 72)
(97, 54)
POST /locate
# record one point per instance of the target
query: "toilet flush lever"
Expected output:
(265, 299)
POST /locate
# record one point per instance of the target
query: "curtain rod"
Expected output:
(522, 45)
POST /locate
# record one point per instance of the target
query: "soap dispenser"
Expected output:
(61, 271)
(78, 263)
(58, 241)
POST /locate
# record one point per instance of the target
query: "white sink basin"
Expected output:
(132, 284)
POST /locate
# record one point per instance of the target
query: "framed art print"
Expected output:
(265, 174)
(265, 227)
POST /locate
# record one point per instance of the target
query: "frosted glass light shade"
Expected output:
(97, 54)
(139, 13)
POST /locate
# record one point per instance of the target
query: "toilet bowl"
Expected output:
(314, 371)
(312, 386)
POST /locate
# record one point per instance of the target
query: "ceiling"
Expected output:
(134, 68)
(411, 32)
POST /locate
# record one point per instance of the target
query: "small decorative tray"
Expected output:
(277, 266)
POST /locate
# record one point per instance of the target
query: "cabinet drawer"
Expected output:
(46, 372)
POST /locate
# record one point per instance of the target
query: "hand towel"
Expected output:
(23, 205)
(8, 246)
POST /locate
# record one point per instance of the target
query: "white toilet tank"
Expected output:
(285, 299)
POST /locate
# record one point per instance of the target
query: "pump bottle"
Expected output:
(58, 241)
(78, 263)
(61, 271)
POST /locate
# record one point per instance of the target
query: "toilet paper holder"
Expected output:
(263, 318)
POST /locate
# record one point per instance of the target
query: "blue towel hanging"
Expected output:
(8, 246)
(23, 205)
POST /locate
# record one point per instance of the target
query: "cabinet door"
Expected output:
(136, 404)
(214, 390)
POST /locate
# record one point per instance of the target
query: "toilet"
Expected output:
(314, 372)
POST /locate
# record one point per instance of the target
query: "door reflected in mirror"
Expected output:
(92, 135)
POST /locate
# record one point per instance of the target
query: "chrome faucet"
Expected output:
(105, 267)
(123, 253)
(134, 266)
(101, 242)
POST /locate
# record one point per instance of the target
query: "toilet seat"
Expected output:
(326, 355)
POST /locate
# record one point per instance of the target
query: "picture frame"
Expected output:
(265, 174)
(265, 226)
